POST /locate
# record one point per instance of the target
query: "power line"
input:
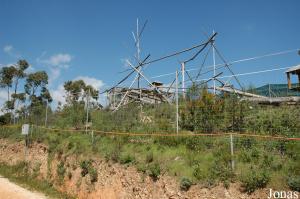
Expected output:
(248, 73)
(233, 62)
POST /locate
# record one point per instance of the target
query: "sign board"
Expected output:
(25, 129)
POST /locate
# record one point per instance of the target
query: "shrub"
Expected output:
(93, 174)
(126, 159)
(154, 171)
(61, 170)
(294, 183)
(149, 157)
(87, 168)
(254, 179)
(185, 184)
(84, 165)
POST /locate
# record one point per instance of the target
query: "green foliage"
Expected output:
(254, 179)
(87, 168)
(61, 170)
(185, 184)
(126, 159)
(154, 170)
(84, 165)
(294, 183)
(149, 157)
(5, 119)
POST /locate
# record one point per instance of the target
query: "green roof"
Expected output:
(277, 90)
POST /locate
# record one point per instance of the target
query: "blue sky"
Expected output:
(91, 39)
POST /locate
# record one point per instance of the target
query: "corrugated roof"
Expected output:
(293, 68)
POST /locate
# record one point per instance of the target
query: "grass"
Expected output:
(203, 160)
(18, 174)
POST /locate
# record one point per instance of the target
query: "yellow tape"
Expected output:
(176, 135)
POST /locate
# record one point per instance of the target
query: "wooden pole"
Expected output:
(231, 150)
(87, 111)
(214, 62)
(183, 78)
(176, 94)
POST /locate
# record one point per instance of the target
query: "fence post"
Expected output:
(231, 150)
(176, 95)
(87, 111)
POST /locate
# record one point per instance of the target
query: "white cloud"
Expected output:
(95, 83)
(54, 74)
(60, 60)
(58, 94)
(55, 63)
(8, 48)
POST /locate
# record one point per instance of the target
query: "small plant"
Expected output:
(185, 184)
(61, 170)
(84, 165)
(149, 157)
(93, 174)
(255, 179)
(126, 159)
(294, 183)
(154, 171)
(87, 168)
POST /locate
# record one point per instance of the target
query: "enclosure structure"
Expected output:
(295, 70)
(140, 95)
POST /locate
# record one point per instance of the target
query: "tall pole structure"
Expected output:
(214, 63)
(231, 150)
(87, 111)
(183, 80)
(176, 95)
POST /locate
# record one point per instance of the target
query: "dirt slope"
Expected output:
(9, 190)
(114, 180)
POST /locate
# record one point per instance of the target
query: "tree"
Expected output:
(34, 81)
(6, 78)
(77, 91)
(19, 72)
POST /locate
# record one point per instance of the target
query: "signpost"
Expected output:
(25, 131)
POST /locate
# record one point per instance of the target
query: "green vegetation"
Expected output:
(185, 184)
(87, 168)
(254, 179)
(19, 174)
(200, 159)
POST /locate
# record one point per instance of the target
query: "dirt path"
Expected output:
(9, 190)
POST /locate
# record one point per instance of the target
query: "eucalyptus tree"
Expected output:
(77, 91)
(6, 78)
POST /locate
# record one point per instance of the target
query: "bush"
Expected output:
(84, 165)
(294, 183)
(87, 168)
(61, 170)
(154, 171)
(126, 159)
(149, 157)
(185, 184)
(255, 179)
(93, 174)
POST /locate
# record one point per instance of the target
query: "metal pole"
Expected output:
(25, 152)
(231, 149)
(46, 118)
(177, 102)
(214, 63)
(182, 74)
(87, 111)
